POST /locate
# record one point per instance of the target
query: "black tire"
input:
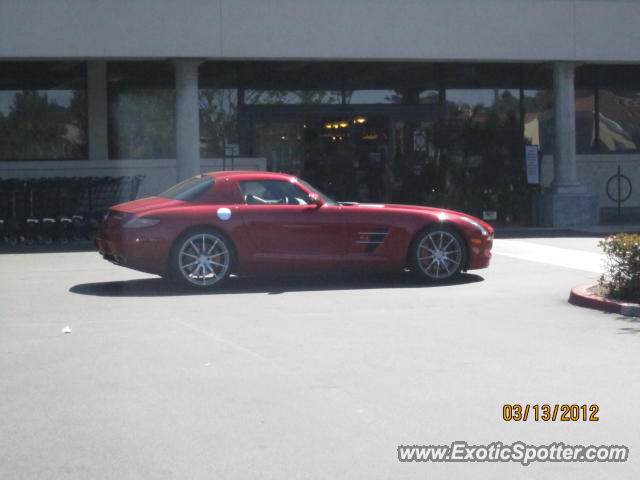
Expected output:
(438, 254)
(202, 259)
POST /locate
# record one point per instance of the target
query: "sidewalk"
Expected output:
(590, 231)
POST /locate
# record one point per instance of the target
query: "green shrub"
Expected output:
(622, 268)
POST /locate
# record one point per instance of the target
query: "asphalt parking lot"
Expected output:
(306, 377)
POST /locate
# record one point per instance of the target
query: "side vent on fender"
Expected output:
(372, 240)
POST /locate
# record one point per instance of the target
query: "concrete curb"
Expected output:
(581, 297)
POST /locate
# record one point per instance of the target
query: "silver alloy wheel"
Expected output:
(439, 254)
(203, 259)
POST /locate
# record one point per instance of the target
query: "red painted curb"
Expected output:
(581, 297)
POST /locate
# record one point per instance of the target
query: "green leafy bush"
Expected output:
(622, 270)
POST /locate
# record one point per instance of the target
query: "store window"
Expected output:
(478, 104)
(373, 96)
(369, 83)
(291, 83)
(43, 111)
(619, 120)
(141, 98)
(218, 120)
(585, 99)
(218, 97)
(538, 108)
(291, 97)
(484, 150)
(538, 118)
(619, 109)
(585, 120)
(429, 97)
(481, 141)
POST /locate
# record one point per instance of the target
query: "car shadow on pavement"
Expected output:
(157, 287)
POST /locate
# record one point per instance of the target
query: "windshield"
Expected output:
(328, 200)
(189, 190)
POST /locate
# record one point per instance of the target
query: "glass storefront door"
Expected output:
(281, 143)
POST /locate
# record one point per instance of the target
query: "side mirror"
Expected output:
(314, 199)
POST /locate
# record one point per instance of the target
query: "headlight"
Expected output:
(140, 222)
(475, 224)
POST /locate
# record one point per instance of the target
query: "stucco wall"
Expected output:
(583, 30)
(595, 170)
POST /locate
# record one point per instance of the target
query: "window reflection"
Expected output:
(585, 121)
(373, 96)
(414, 175)
(282, 145)
(539, 123)
(619, 120)
(538, 118)
(431, 97)
(218, 120)
(291, 97)
(41, 117)
(478, 103)
(141, 98)
(482, 150)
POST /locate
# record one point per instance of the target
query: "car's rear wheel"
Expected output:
(438, 254)
(202, 259)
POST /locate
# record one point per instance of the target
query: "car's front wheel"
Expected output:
(438, 254)
(201, 259)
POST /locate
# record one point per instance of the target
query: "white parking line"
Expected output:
(562, 257)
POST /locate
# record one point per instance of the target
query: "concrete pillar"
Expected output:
(98, 131)
(568, 204)
(187, 118)
(564, 111)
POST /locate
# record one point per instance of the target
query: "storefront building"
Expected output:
(430, 103)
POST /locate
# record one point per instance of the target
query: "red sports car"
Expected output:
(203, 229)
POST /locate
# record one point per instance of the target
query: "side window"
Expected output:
(273, 192)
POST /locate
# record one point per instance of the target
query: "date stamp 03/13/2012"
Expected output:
(550, 412)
